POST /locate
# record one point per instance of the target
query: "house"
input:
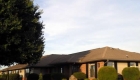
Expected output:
(88, 62)
(21, 69)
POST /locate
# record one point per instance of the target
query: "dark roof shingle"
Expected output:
(16, 67)
(105, 53)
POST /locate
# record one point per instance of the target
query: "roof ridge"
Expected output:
(104, 52)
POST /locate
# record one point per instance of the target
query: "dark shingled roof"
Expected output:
(105, 53)
(15, 67)
(47, 60)
(71, 58)
(52, 59)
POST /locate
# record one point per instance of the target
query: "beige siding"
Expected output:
(121, 66)
(0, 73)
(22, 72)
(139, 66)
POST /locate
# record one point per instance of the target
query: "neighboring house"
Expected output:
(21, 69)
(89, 61)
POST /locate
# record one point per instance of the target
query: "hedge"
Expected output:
(107, 73)
(4, 76)
(40, 76)
(10, 76)
(47, 77)
(14, 76)
(57, 76)
(33, 76)
(131, 73)
(80, 75)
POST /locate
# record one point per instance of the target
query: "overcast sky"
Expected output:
(77, 25)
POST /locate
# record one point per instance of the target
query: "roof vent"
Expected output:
(126, 56)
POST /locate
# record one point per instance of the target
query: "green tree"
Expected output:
(21, 36)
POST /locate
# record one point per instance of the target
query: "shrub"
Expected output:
(14, 76)
(64, 79)
(86, 79)
(131, 73)
(57, 76)
(10, 77)
(1, 78)
(40, 76)
(107, 73)
(33, 76)
(26, 74)
(47, 77)
(80, 75)
(4, 76)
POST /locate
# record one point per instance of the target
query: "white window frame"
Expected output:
(132, 64)
(92, 64)
(110, 64)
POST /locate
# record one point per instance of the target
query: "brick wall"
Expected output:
(83, 68)
(99, 65)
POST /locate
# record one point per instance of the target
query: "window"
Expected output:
(10, 72)
(75, 68)
(132, 64)
(110, 64)
(17, 71)
(92, 70)
(27, 70)
(31, 70)
(61, 70)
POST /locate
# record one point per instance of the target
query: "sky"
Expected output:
(77, 25)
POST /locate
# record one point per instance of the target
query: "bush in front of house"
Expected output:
(40, 76)
(107, 73)
(64, 79)
(10, 77)
(33, 76)
(47, 77)
(14, 76)
(1, 78)
(131, 73)
(4, 76)
(80, 75)
(57, 76)
(86, 79)
(26, 74)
